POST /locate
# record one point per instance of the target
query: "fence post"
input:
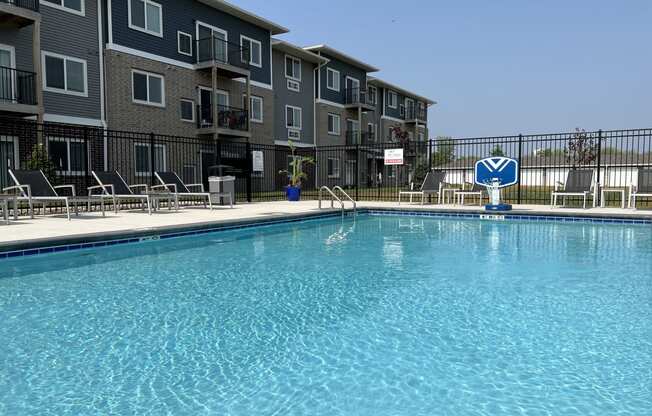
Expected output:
(249, 169)
(357, 170)
(430, 152)
(151, 158)
(87, 153)
(520, 156)
(597, 183)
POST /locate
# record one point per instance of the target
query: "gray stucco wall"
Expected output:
(182, 15)
(303, 99)
(345, 70)
(67, 34)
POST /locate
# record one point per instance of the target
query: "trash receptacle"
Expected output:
(221, 185)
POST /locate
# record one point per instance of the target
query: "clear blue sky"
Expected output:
(495, 67)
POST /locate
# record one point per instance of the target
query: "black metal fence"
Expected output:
(17, 86)
(69, 154)
(25, 4)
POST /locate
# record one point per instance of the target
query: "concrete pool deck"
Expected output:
(55, 229)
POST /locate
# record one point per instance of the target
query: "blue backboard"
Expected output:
(502, 169)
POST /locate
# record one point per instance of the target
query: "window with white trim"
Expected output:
(142, 158)
(392, 99)
(422, 136)
(293, 117)
(69, 155)
(184, 43)
(294, 85)
(187, 110)
(293, 68)
(147, 88)
(334, 124)
(372, 94)
(64, 74)
(333, 167)
(255, 108)
(332, 79)
(255, 49)
(72, 6)
(146, 16)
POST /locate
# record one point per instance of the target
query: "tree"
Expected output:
(40, 160)
(445, 151)
(497, 151)
(581, 149)
(403, 136)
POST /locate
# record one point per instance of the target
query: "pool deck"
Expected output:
(52, 230)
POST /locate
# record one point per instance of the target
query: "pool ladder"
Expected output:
(334, 197)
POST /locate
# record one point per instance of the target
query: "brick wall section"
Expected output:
(124, 114)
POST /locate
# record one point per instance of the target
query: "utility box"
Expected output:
(221, 185)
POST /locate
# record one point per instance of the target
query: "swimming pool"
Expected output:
(379, 315)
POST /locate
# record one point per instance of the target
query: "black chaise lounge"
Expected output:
(579, 182)
(432, 184)
(171, 182)
(34, 187)
(643, 187)
(115, 188)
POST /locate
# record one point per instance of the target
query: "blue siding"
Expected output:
(345, 70)
(182, 15)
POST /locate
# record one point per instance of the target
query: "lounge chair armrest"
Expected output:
(102, 187)
(170, 187)
(558, 186)
(71, 187)
(196, 185)
(22, 188)
(139, 186)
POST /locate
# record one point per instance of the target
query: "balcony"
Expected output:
(18, 13)
(230, 59)
(414, 115)
(17, 91)
(353, 138)
(231, 121)
(356, 97)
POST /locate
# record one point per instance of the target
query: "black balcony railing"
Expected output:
(214, 49)
(17, 87)
(415, 113)
(25, 4)
(356, 96)
(227, 117)
(354, 137)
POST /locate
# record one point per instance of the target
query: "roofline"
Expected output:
(342, 57)
(236, 11)
(378, 81)
(298, 51)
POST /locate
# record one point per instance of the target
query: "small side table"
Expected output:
(4, 204)
(605, 191)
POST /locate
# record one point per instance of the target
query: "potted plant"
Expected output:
(296, 173)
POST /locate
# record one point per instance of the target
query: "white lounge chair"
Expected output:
(115, 188)
(643, 187)
(475, 190)
(579, 182)
(432, 184)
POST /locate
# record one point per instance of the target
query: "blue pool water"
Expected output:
(377, 316)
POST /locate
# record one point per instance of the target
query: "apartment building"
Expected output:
(397, 107)
(48, 75)
(295, 71)
(189, 68)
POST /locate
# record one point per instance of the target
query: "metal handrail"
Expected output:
(339, 188)
(333, 198)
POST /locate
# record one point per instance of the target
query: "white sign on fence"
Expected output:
(393, 157)
(258, 161)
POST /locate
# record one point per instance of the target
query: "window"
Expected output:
(146, 16)
(72, 6)
(391, 134)
(255, 108)
(422, 136)
(142, 155)
(332, 79)
(333, 124)
(402, 109)
(187, 110)
(255, 51)
(64, 74)
(294, 134)
(148, 88)
(372, 94)
(68, 155)
(293, 68)
(333, 167)
(293, 117)
(392, 99)
(184, 41)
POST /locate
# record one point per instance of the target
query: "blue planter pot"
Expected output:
(293, 193)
